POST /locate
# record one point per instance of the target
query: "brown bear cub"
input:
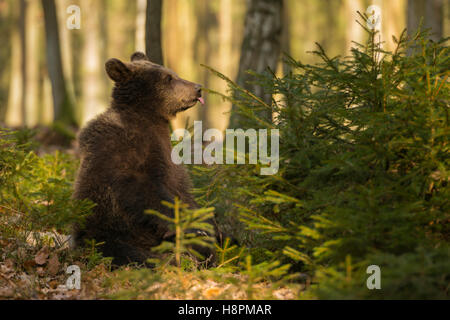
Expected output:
(126, 164)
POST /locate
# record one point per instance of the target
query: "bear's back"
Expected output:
(101, 143)
(112, 149)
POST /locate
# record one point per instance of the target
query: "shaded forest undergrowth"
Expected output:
(36, 217)
(363, 181)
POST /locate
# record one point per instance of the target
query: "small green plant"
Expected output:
(262, 271)
(226, 251)
(94, 256)
(183, 224)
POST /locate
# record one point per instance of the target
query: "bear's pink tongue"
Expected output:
(202, 101)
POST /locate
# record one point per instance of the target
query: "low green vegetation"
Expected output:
(364, 171)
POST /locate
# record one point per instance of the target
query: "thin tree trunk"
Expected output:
(180, 51)
(13, 112)
(434, 18)
(104, 35)
(33, 33)
(413, 12)
(224, 61)
(23, 57)
(5, 55)
(69, 52)
(286, 36)
(153, 31)
(62, 109)
(260, 49)
(203, 52)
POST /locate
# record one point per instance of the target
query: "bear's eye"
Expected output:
(169, 78)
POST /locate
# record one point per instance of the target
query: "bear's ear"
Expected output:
(139, 56)
(117, 70)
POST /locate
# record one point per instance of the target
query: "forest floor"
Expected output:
(30, 272)
(34, 265)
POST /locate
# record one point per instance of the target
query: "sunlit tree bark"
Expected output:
(224, 61)
(94, 98)
(33, 31)
(354, 32)
(203, 53)
(69, 52)
(179, 48)
(141, 14)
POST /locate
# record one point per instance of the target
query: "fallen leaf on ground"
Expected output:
(211, 293)
(53, 265)
(42, 255)
(29, 265)
(40, 271)
(6, 292)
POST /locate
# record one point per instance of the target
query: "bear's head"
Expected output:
(148, 88)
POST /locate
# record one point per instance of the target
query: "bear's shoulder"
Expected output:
(104, 131)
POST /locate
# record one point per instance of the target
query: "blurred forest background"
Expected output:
(58, 74)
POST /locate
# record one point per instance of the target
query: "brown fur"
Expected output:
(126, 164)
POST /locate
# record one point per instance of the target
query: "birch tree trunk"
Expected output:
(62, 107)
(153, 31)
(260, 49)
